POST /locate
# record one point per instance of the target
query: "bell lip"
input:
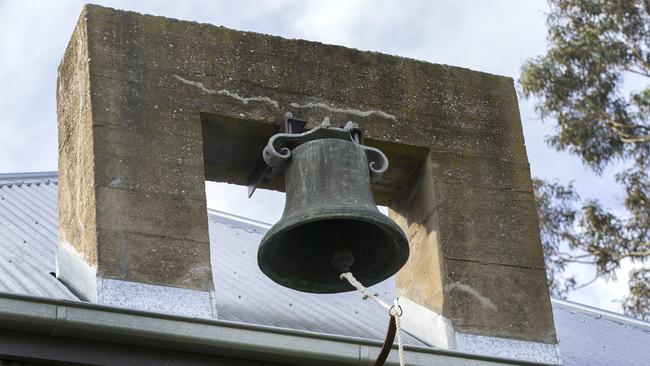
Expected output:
(296, 220)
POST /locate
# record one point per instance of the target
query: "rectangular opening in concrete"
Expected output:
(232, 147)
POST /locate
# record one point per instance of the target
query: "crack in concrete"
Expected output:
(356, 112)
(274, 103)
(227, 93)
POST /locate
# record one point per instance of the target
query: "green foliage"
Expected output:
(638, 302)
(573, 231)
(598, 49)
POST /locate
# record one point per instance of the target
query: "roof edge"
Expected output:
(599, 313)
(28, 177)
(240, 219)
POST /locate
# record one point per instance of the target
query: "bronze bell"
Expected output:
(330, 223)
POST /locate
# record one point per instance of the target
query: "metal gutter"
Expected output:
(61, 319)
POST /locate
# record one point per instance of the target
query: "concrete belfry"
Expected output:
(149, 108)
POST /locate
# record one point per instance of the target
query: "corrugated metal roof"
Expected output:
(28, 235)
(28, 238)
(246, 295)
(596, 337)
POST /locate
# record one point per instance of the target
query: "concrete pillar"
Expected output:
(133, 225)
(475, 281)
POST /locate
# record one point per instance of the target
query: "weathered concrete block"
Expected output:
(132, 202)
(471, 303)
(151, 107)
(77, 200)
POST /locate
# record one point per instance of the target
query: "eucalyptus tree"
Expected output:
(593, 84)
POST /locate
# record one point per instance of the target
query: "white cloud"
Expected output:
(265, 205)
(603, 294)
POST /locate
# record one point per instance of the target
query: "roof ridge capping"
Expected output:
(239, 219)
(599, 313)
(28, 177)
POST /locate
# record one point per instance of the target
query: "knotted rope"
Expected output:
(394, 310)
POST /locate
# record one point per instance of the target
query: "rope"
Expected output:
(364, 290)
(395, 310)
(398, 327)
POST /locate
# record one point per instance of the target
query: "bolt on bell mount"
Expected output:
(330, 223)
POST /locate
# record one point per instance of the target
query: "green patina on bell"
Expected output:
(330, 222)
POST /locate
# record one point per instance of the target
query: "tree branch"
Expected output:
(638, 55)
(586, 283)
(617, 127)
(641, 73)
(634, 255)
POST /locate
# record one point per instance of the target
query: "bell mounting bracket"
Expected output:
(277, 152)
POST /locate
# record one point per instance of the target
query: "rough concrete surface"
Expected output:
(150, 107)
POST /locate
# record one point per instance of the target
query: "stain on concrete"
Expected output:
(116, 182)
(484, 301)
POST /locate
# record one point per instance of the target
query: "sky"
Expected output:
(494, 36)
